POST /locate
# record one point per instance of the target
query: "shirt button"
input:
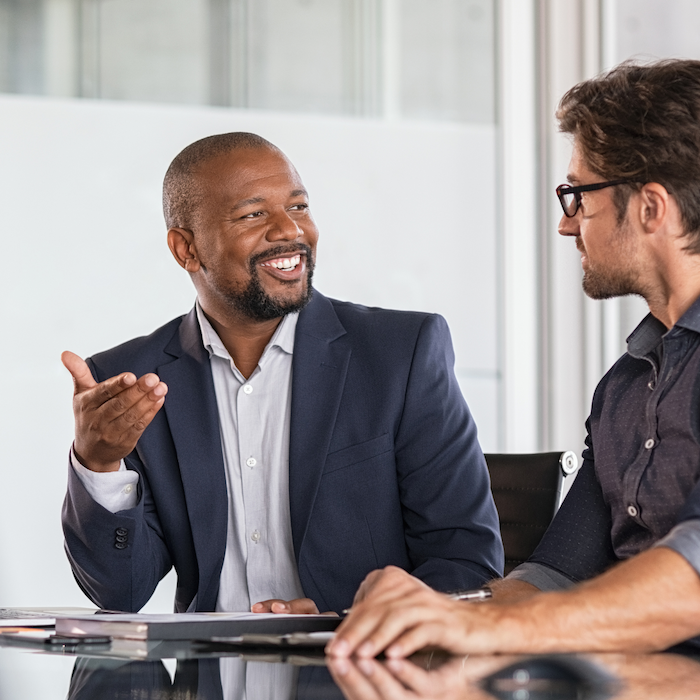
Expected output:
(248, 389)
(632, 510)
(255, 536)
(649, 444)
(251, 461)
(128, 488)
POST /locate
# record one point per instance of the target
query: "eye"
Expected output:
(253, 215)
(299, 207)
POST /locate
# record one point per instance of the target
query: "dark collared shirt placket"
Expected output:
(676, 352)
(645, 432)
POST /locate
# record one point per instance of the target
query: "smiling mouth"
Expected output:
(284, 264)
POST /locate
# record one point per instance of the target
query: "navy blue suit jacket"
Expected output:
(384, 466)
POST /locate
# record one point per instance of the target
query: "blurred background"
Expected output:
(424, 132)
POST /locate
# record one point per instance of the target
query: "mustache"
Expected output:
(281, 250)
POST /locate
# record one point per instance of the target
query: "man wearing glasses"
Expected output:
(619, 567)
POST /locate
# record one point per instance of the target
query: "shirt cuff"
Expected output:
(684, 538)
(114, 491)
(540, 576)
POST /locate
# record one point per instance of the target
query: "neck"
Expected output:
(244, 339)
(676, 287)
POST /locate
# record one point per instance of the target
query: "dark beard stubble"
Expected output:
(256, 304)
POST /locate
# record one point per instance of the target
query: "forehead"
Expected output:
(245, 173)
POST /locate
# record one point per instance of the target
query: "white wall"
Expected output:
(407, 216)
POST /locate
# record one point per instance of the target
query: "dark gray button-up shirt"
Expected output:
(638, 486)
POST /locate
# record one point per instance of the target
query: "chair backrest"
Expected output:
(527, 489)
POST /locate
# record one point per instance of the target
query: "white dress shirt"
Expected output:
(254, 418)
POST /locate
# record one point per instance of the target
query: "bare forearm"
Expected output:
(647, 603)
(507, 590)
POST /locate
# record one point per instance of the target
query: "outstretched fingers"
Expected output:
(127, 402)
(111, 416)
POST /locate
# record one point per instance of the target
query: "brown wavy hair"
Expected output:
(642, 123)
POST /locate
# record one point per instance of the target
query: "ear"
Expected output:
(654, 206)
(181, 244)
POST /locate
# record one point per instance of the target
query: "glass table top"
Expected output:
(188, 673)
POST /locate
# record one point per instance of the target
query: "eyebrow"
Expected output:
(246, 203)
(257, 200)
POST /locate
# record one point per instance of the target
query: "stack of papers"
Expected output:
(38, 617)
(193, 625)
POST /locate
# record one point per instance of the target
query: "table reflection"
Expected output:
(231, 678)
(255, 675)
(579, 677)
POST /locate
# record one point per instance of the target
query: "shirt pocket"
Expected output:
(360, 452)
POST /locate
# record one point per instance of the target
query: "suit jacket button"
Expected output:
(121, 538)
(121, 531)
(120, 545)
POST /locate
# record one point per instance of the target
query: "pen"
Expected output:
(478, 594)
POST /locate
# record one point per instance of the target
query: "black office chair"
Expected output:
(527, 489)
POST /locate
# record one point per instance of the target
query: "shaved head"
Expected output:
(182, 190)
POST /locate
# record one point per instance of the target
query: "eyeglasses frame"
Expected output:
(576, 190)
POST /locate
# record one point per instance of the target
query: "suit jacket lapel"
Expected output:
(319, 365)
(193, 417)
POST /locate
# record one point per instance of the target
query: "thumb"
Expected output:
(82, 378)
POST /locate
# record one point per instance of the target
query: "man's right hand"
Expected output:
(110, 417)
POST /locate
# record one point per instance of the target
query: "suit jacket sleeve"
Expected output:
(117, 558)
(451, 523)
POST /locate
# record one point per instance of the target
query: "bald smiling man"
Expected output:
(273, 445)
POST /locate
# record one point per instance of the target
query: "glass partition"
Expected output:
(369, 58)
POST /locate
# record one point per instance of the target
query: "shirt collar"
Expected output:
(645, 337)
(691, 318)
(648, 334)
(282, 338)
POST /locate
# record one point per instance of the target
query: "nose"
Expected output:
(568, 226)
(283, 228)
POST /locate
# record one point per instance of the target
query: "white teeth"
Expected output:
(286, 263)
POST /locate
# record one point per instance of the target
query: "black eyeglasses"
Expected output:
(570, 196)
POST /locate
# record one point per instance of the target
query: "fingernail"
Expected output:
(394, 651)
(394, 665)
(128, 379)
(339, 647)
(151, 381)
(367, 649)
(340, 666)
(257, 606)
(365, 665)
(159, 390)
